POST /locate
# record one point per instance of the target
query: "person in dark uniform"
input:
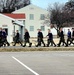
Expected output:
(50, 39)
(61, 35)
(5, 38)
(1, 43)
(72, 36)
(69, 37)
(17, 38)
(40, 38)
(26, 38)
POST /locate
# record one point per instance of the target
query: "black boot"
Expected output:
(54, 44)
(47, 45)
(8, 44)
(66, 45)
(58, 45)
(36, 45)
(24, 45)
(30, 44)
(44, 45)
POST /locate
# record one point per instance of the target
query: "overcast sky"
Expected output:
(44, 3)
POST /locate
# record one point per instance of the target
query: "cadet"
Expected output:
(40, 38)
(72, 36)
(61, 35)
(5, 38)
(69, 37)
(27, 37)
(50, 38)
(1, 43)
(17, 38)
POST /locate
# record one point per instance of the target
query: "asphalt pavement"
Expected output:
(37, 63)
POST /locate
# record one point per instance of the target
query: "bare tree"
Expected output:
(61, 15)
(69, 9)
(7, 6)
(55, 16)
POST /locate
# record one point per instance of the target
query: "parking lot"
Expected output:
(37, 63)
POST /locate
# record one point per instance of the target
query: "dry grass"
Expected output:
(37, 49)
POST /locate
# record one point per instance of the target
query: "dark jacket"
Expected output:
(73, 34)
(61, 34)
(40, 35)
(50, 36)
(69, 34)
(26, 36)
(0, 33)
(17, 36)
(4, 34)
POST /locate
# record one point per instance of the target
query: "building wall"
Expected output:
(36, 22)
(7, 24)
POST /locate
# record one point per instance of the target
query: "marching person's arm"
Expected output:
(28, 35)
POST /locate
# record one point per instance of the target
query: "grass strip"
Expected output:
(37, 49)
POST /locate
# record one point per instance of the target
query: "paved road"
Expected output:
(37, 63)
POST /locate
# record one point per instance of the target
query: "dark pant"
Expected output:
(17, 40)
(50, 41)
(62, 40)
(27, 41)
(71, 41)
(40, 40)
(1, 42)
(5, 42)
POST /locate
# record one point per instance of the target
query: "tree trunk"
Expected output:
(57, 29)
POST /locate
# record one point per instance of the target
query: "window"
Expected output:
(42, 17)
(43, 28)
(31, 28)
(31, 16)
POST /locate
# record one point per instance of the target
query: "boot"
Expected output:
(30, 44)
(36, 45)
(47, 45)
(44, 45)
(24, 45)
(8, 44)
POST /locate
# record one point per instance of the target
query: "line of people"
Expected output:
(70, 38)
(26, 38)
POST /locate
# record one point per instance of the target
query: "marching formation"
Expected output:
(50, 41)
